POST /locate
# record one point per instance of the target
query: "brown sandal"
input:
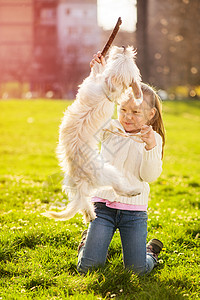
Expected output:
(82, 243)
(154, 247)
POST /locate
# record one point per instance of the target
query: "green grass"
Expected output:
(38, 256)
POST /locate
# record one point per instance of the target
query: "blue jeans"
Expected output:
(132, 226)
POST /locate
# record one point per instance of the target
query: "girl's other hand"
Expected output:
(148, 137)
(98, 57)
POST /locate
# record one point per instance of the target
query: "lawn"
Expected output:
(38, 256)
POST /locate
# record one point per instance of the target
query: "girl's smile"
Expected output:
(133, 117)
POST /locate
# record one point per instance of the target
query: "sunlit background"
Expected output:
(109, 10)
(46, 45)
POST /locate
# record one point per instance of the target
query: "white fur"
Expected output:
(84, 168)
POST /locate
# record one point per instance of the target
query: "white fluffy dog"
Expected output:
(84, 168)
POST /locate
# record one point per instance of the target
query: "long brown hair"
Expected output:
(156, 122)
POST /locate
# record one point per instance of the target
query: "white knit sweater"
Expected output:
(137, 164)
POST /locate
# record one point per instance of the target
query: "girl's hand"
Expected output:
(147, 136)
(97, 58)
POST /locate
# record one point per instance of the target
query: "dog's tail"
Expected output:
(80, 202)
(66, 214)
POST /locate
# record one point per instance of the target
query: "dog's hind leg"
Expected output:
(79, 202)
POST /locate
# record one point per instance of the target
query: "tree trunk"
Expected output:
(142, 38)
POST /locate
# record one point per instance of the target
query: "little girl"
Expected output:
(140, 161)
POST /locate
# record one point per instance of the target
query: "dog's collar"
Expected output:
(109, 98)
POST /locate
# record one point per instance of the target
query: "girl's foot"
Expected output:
(154, 247)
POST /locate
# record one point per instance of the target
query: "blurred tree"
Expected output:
(142, 40)
(169, 31)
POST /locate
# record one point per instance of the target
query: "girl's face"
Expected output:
(133, 117)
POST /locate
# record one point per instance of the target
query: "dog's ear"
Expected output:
(137, 92)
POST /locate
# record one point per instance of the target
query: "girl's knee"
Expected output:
(143, 269)
(139, 270)
(86, 264)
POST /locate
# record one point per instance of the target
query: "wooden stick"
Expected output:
(135, 137)
(112, 36)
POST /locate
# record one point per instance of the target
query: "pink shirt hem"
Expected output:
(118, 205)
